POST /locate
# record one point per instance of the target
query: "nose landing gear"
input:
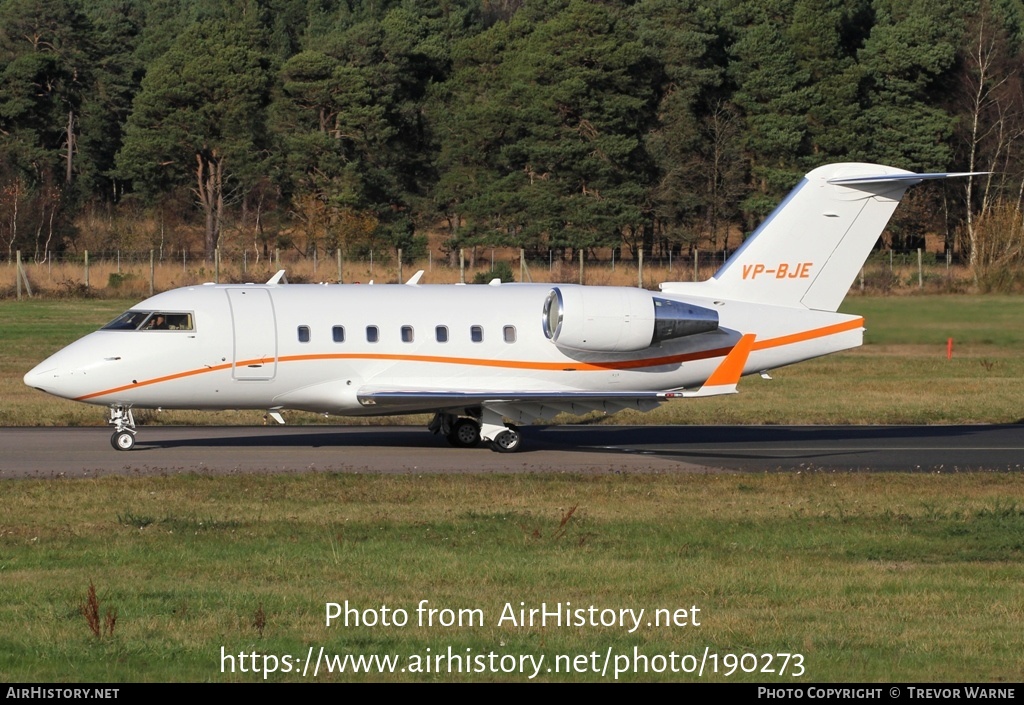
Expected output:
(124, 427)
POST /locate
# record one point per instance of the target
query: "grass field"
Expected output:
(896, 577)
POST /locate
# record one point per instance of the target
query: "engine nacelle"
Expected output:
(619, 319)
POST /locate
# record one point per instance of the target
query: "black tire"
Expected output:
(465, 433)
(507, 441)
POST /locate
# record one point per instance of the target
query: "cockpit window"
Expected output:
(151, 320)
(129, 320)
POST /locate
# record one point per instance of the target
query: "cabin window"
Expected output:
(441, 334)
(476, 334)
(303, 334)
(407, 334)
(338, 334)
(510, 334)
(372, 334)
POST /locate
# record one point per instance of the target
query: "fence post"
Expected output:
(696, 260)
(462, 265)
(920, 270)
(640, 270)
(216, 265)
(401, 278)
(277, 258)
(22, 277)
(152, 272)
(338, 252)
(522, 264)
(87, 269)
(581, 265)
(17, 274)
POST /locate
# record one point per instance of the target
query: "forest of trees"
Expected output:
(564, 124)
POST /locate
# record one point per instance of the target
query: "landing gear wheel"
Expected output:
(122, 440)
(465, 433)
(507, 441)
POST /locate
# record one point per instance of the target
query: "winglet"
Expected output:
(278, 278)
(414, 280)
(726, 376)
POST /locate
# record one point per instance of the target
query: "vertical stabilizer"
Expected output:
(809, 250)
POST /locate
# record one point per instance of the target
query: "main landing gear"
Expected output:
(124, 427)
(468, 431)
(464, 433)
(507, 441)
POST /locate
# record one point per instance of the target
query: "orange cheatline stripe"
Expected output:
(155, 380)
(809, 334)
(568, 366)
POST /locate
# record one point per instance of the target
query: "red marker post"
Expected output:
(949, 348)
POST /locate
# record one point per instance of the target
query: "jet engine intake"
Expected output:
(619, 319)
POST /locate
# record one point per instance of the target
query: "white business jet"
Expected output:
(482, 358)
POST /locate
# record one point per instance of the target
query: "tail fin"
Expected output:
(809, 250)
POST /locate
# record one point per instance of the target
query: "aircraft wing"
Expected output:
(515, 405)
(525, 407)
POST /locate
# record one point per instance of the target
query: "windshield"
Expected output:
(151, 320)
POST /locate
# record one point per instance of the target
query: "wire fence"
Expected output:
(130, 274)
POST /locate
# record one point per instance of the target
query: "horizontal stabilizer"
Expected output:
(909, 179)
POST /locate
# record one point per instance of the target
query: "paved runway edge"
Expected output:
(86, 451)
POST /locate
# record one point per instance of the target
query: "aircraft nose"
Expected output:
(41, 377)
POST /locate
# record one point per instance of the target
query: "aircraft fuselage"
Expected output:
(313, 347)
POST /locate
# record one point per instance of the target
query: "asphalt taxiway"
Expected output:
(86, 452)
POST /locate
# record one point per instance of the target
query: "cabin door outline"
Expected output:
(254, 329)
